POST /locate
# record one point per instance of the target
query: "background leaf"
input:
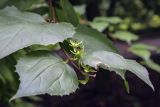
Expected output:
(144, 51)
(66, 13)
(151, 64)
(125, 36)
(110, 20)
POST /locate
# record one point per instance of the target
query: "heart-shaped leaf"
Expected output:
(22, 29)
(40, 74)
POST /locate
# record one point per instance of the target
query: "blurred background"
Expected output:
(134, 28)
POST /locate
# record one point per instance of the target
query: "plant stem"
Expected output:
(70, 60)
(52, 11)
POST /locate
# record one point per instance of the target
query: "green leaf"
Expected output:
(41, 74)
(139, 70)
(125, 36)
(101, 23)
(108, 59)
(145, 54)
(100, 26)
(151, 64)
(22, 29)
(142, 50)
(110, 20)
(143, 46)
(67, 13)
(112, 61)
(93, 40)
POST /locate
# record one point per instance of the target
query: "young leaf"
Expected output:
(41, 74)
(113, 61)
(22, 29)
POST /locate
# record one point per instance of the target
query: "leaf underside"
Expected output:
(117, 63)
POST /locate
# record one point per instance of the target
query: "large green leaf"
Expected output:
(113, 61)
(93, 40)
(40, 74)
(22, 29)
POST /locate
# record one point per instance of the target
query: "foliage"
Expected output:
(32, 43)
